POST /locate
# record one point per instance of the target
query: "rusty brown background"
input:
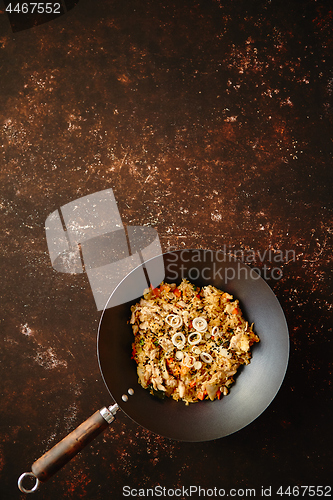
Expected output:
(212, 122)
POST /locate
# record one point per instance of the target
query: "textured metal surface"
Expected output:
(212, 122)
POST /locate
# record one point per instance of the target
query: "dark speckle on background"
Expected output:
(211, 122)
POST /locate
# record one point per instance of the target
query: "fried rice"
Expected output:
(189, 342)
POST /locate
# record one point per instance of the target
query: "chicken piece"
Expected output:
(213, 385)
(157, 379)
(240, 342)
(181, 389)
(166, 344)
(144, 374)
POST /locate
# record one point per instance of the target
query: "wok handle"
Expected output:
(54, 459)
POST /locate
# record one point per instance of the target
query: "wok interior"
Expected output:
(255, 386)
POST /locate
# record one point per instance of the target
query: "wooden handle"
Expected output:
(54, 459)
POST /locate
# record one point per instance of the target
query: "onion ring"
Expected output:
(199, 324)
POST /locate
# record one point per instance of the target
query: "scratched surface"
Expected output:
(212, 122)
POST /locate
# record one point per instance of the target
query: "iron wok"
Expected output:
(255, 386)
